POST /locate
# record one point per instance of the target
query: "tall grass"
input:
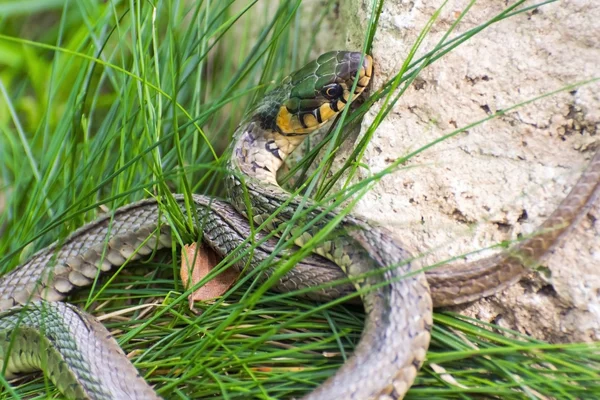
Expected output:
(105, 103)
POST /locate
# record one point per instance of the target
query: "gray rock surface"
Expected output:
(504, 177)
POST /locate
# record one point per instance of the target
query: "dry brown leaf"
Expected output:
(204, 260)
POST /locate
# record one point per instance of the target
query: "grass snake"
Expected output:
(78, 354)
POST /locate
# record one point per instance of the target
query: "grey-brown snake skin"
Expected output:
(84, 361)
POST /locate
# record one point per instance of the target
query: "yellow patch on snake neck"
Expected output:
(326, 112)
(290, 124)
(284, 120)
(310, 121)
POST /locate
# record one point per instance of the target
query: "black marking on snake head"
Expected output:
(333, 106)
(301, 119)
(318, 115)
(272, 148)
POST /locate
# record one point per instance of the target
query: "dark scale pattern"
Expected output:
(57, 335)
(54, 271)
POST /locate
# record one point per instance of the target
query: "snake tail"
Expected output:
(461, 283)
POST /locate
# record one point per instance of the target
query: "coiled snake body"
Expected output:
(84, 361)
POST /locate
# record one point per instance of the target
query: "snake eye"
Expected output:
(332, 91)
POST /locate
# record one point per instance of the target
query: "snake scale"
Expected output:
(78, 354)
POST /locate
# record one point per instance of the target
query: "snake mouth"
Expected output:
(321, 90)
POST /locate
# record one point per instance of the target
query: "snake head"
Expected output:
(321, 89)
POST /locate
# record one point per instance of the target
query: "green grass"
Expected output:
(88, 118)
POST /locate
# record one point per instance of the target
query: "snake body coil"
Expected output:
(84, 361)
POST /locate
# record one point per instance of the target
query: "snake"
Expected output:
(38, 331)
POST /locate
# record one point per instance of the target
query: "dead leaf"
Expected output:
(204, 260)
